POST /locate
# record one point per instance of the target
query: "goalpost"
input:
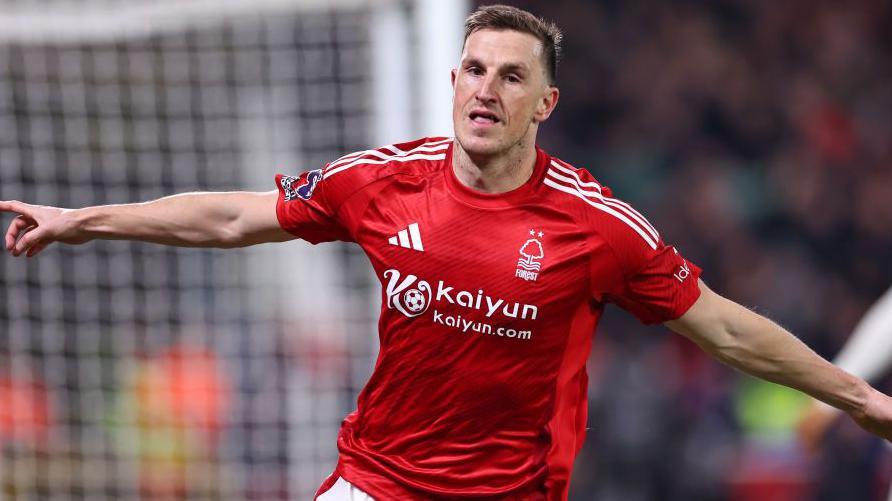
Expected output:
(133, 371)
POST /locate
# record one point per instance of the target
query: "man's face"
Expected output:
(500, 91)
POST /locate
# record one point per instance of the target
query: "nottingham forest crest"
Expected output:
(531, 253)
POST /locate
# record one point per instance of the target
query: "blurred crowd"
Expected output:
(757, 136)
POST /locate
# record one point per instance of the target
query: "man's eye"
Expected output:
(512, 78)
(475, 70)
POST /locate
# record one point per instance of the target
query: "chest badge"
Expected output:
(531, 252)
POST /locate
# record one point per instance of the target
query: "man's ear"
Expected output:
(546, 104)
(453, 73)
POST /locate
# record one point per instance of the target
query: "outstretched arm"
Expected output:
(226, 220)
(758, 346)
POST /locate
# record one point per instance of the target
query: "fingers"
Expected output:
(16, 228)
(23, 234)
(19, 226)
(35, 250)
(32, 238)
(14, 206)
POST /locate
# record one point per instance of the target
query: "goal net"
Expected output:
(134, 371)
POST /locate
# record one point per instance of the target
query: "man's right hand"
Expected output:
(37, 226)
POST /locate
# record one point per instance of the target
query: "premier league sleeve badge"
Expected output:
(301, 186)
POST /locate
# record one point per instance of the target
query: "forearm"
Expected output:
(758, 346)
(763, 349)
(185, 220)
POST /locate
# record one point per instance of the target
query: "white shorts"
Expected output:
(343, 490)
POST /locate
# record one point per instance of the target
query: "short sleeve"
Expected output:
(304, 210)
(638, 271)
(661, 287)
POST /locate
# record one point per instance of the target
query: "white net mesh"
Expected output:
(132, 371)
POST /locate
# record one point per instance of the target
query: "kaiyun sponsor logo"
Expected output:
(412, 297)
(465, 325)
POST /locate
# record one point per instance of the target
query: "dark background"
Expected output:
(757, 137)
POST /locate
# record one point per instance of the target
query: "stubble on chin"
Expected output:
(481, 150)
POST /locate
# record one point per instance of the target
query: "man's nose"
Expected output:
(487, 91)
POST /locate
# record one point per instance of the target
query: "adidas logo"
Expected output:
(409, 238)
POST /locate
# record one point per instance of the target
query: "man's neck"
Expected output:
(494, 174)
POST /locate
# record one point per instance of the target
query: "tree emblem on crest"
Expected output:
(528, 265)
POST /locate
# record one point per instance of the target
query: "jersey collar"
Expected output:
(507, 199)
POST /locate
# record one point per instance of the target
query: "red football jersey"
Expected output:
(490, 303)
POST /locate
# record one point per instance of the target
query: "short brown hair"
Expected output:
(505, 17)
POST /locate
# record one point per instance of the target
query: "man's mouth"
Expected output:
(483, 117)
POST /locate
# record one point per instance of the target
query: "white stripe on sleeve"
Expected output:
(575, 191)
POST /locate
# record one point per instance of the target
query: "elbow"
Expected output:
(730, 353)
(238, 231)
(746, 354)
(229, 237)
(726, 346)
(228, 233)
(242, 220)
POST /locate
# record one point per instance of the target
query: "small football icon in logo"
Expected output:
(414, 300)
(402, 296)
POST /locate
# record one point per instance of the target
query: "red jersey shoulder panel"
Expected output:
(626, 230)
(309, 205)
(357, 170)
(638, 272)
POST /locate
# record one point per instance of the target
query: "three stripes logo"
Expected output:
(409, 238)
